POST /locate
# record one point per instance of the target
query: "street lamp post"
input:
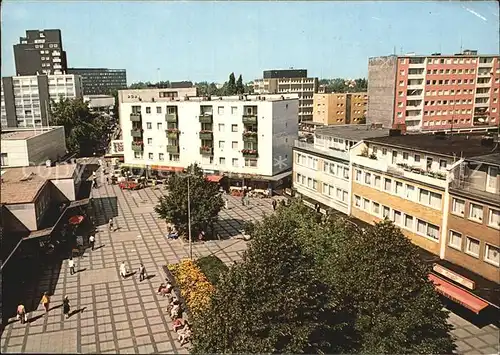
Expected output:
(189, 220)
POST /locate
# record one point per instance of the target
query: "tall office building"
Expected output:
(40, 52)
(434, 92)
(293, 81)
(101, 81)
(340, 109)
(26, 99)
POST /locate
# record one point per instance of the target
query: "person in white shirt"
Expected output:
(92, 241)
(123, 270)
(71, 264)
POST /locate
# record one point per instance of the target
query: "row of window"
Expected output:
(476, 212)
(222, 144)
(338, 170)
(339, 194)
(221, 127)
(406, 158)
(398, 188)
(399, 218)
(307, 161)
(447, 122)
(473, 246)
(220, 110)
(222, 161)
(306, 182)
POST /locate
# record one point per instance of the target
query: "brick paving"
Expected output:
(127, 316)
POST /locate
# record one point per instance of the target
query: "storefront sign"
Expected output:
(454, 276)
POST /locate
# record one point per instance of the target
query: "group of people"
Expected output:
(23, 317)
(174, 309)
(124, 273)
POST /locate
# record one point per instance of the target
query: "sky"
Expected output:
(205, 41)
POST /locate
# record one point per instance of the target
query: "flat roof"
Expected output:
(21, 185)
(461, 145)
(354, 132)
(493, 158)
(24, 134)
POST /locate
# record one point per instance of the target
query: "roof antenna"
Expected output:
(461, 45)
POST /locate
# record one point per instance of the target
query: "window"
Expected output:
(234, 128)
(346, 173)
(339, 170)
(394, 156)
(435, 200)
(476, 212)
(405, 156)
(472, 246)
(492, 179)
(234, 110)
(221, 127)
(399, 188)
(377, 181)
(427, 229)
(423, 196)
(221, 144)
(375, 208)
(158, 109)
(366, 204)
(148, 109)
(455, 240)
(494, 218)
(222, 161)
(410, 192)
(234, 145)
(150, 156)
(150, 141)
(358, 175)
(137, 155)
(442, 164)
(159, 125)
(368, 178)
(235, 162)
(149, 125)
(397, 218)
(384, 151)
(220, 110)
(386, 211)
(357, 201)
(251, 162)
(5, 161)
(161, 156)
(387, 184)
(408, 222)
(457, 206)
(492, 254)
(429, 163)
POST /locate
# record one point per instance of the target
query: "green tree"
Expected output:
(205, 198)
(231, 85)
(240, 88)
(86, 133)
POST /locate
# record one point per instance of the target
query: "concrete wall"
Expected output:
(381, 90)
(284, 132)
(67, 187)
(50, 145)
(26, 214)
(17, 152)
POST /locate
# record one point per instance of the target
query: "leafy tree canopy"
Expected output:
(205, 198)
(341, 85)
(313, 285)
(86, 132)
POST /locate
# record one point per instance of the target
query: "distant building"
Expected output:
(40, 52)
(342, 108)
(434, 92)
(24, 147)
(181, 84)
(100, 103)
(290, 81)
(26, 99)
(101, 81)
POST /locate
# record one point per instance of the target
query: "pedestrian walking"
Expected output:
(226, 204)
(110, 224)
(66, 306)
(71, 264)
(123, 270)
(46, 302)
(142, 272)
(275, 204)
(21, 313)
(92, 241)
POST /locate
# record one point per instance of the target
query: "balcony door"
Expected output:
(492, 179)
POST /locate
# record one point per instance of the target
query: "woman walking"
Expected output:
(46, 302)
(66, 306)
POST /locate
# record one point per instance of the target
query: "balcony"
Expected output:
(484, 74)
(249, 119)
(481, 84)
(433, 178)
(331, 152)
(374, 164)
(171, 117)
(172, 149)
(173, 133)
(206, 150)
(250, 137)
(137, 146)
(137, 132)
(135, 117)
(250, 153)
(206, 135)
(206, 118)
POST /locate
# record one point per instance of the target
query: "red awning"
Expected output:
(458, 295)
(214, 178)
(167, 168)
(76, 220)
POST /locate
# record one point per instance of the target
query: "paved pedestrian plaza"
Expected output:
(112, 315)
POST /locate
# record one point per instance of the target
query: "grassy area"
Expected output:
(212, 267)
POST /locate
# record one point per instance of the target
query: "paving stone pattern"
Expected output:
(127, 316)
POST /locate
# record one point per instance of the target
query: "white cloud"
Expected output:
(475, 13)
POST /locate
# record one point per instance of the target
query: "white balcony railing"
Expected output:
(334, 153)
(421, 176)
(374, 164)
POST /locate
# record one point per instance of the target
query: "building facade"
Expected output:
(101, 81)
(40, 52)
(293, 81)
(22, 147)
(26, 100)
(231, 135)
(340, 109)
(436, 91)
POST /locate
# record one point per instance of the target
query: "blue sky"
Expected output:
(207, 40)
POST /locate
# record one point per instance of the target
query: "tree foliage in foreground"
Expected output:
(307, 285)
(206, 202)
(85, 131)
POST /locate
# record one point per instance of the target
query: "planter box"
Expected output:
(171, 117)
(173, 149)
(252, 138)
(135, 117)
(249, 119)
(173, 135)
(207, 152)
(137, 147)
(251, 155)
(206, 118)
(207, 136)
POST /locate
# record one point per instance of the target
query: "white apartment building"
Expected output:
(250, 135)
(26, 99)
(322, 169)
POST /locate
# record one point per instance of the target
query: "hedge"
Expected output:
(212, 267)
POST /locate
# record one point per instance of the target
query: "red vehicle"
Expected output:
(130, 185)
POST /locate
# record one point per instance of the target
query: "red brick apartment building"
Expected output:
(436, 92)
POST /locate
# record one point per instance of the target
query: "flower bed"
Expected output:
(195, 287)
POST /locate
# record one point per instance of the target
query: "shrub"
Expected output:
(212, 267)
